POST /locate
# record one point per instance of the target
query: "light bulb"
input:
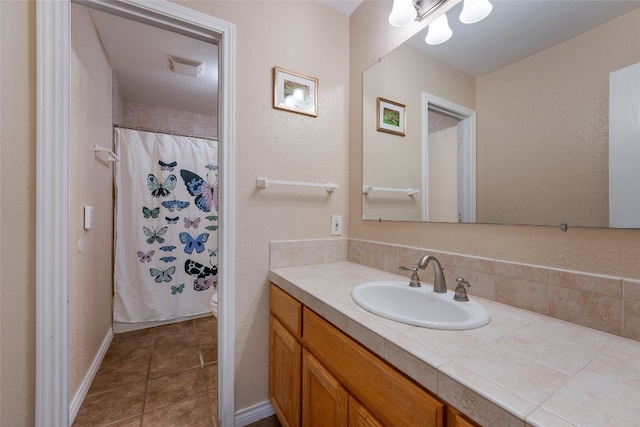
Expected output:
(402, 13)
(439, 31)
(475, 10)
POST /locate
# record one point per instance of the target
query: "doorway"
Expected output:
(448, 161)
(52, 215)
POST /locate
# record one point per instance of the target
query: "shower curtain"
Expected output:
(166, 242)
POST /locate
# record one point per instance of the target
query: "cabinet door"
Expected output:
(456, 419)
(324, 399)
(359, 416)
(285, 355)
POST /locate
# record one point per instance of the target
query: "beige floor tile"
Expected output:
(111, 406)
(209, 353)
(175, 329)
(131, 422)
(193, 412)
(116, 375)
(134, 336)
(128, 349)
(167, 342)
(168, 362)
(211, 376)
(206, 330)
(169, 389)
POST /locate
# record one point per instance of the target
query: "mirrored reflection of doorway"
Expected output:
(448, 161)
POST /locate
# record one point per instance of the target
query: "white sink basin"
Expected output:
(398, 301)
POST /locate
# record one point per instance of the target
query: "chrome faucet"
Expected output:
(439, 284)
(415, 280)
(461, 290)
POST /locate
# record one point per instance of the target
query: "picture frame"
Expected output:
(390, 117)
(295, 92)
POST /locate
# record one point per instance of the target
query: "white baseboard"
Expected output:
(254, 413)
(75, 404)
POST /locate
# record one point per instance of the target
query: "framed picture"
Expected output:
(295, 92)
(390, 117)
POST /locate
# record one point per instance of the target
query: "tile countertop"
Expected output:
(522, 369)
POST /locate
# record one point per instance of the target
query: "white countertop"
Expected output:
(522, 369)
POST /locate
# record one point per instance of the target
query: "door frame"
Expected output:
(466, 155)
(53, 41)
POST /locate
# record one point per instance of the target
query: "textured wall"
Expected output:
(544, 123)
(17, 212)
(595, 250)
(166, 120)
(90, 270)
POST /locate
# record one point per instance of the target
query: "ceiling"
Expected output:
(138, 54)
(515, 29)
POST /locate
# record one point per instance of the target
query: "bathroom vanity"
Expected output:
(333, 363)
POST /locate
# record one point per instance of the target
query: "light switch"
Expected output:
(88, 217)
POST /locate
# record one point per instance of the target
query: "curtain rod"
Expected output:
(165, 132)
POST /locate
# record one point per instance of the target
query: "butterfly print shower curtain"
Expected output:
(166, 222)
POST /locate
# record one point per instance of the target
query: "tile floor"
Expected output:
(162, 376)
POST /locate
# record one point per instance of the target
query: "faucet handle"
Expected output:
(415, 280)
(461, 291)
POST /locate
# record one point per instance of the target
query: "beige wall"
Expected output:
(593, 250)
(17, 175)
(166, 120)
(90, 270)
(543, 123)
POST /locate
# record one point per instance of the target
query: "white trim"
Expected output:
(52, 194)
(254, 413)
(77, 400)
(52, 213)
(466, 155)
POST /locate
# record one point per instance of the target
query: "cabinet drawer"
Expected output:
(386, 393)
(287, 309)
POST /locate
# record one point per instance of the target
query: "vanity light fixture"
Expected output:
(404, 12)
(439, 31)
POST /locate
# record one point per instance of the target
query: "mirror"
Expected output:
(535, 76)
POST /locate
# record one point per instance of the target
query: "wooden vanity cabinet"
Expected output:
(285, 357)
(319, 376)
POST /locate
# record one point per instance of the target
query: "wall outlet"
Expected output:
(336, 225)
